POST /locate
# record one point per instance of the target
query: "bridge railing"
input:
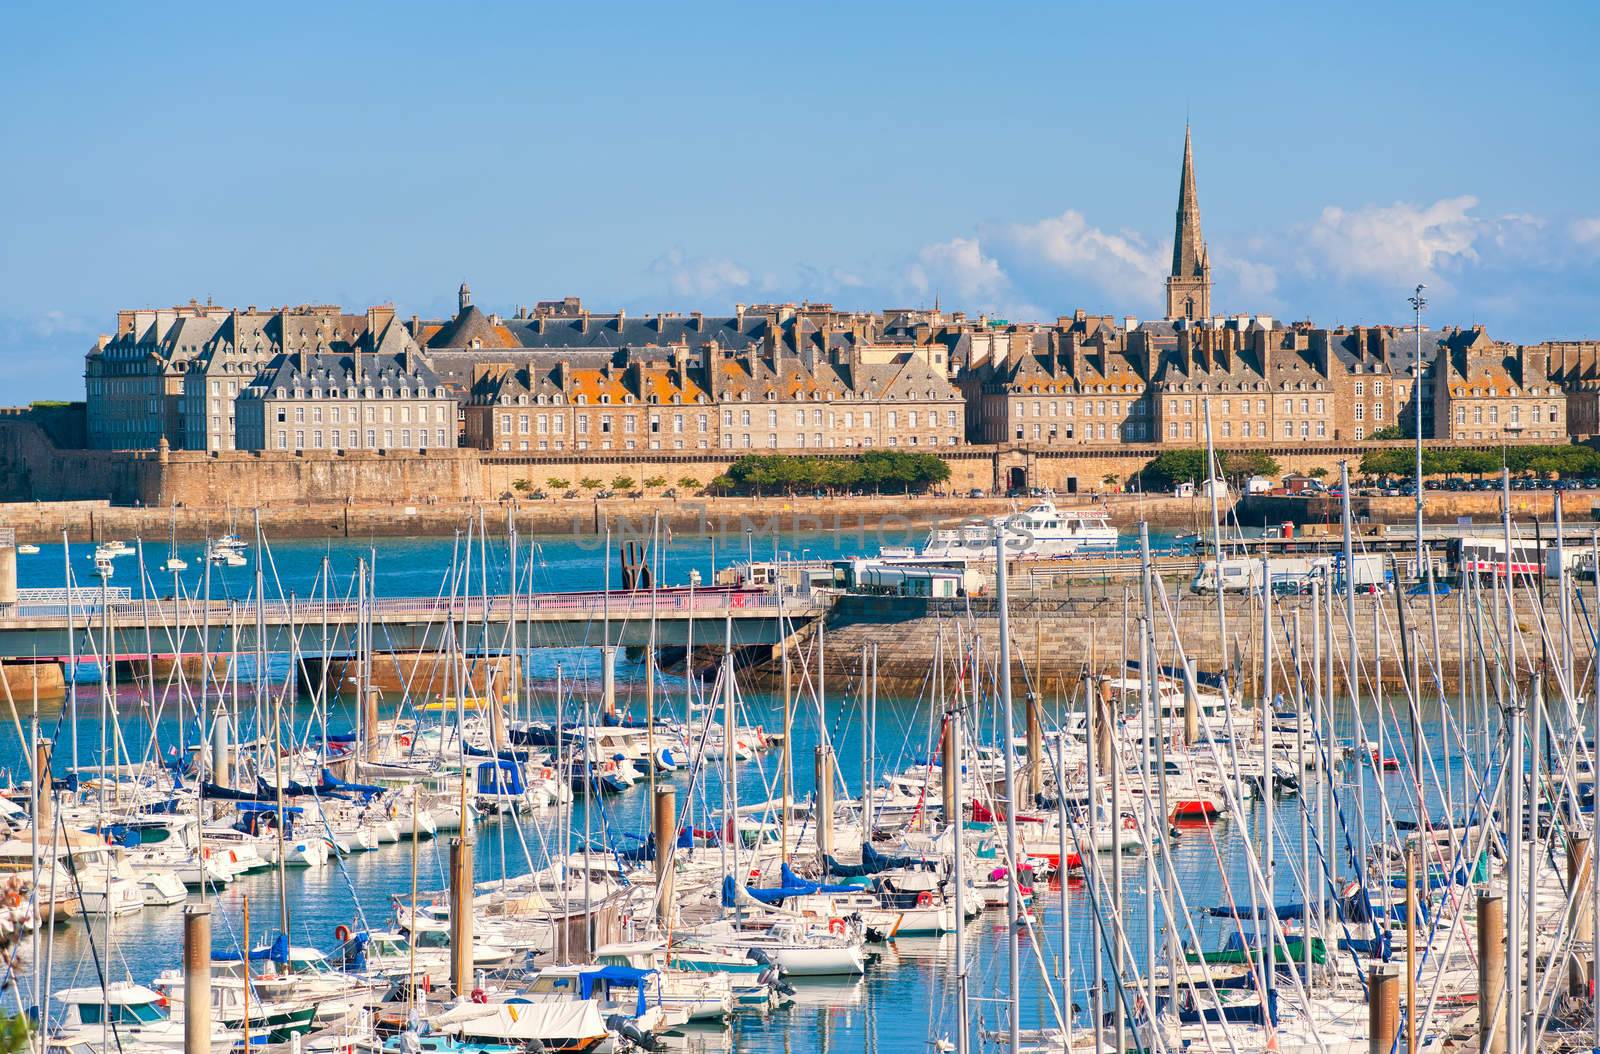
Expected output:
(126, 610)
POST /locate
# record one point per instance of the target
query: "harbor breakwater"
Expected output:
(890, 519)
(1056, 641)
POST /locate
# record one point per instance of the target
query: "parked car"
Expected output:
(975, 492)
(1430, 586)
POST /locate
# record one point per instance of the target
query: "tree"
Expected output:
(1171, 467)
(621, 482)
(1240, 465)
(521, 485)
(1318, 473)
(1386, 463)
(688, 483)
(1392, 432)
(656, 481)
(723, 484)
(557, 483)
(590, 483)
(1110, 479)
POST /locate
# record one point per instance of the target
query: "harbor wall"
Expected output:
(870, 520)
(1056, 641)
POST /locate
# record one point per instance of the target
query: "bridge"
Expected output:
(56, 627)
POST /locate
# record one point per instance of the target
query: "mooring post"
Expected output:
(666, 831)
(461, 915)
(197, 978)
(1491, 973)
(1383, 1008)
(824, 802)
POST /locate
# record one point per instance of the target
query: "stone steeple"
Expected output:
(1189, 285)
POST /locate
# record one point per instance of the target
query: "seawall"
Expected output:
(1056, 641)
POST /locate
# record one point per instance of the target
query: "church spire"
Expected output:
(1189, 286)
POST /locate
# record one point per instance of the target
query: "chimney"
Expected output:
(699, 321)
(378, 319)
(622, 317)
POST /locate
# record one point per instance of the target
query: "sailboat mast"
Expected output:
(1013, 907)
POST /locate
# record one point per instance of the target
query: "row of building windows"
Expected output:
(351, 439)
(441, 414)
(1091, 408)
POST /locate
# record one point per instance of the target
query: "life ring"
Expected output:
(1129, 823)
(836, 927)
(924, 899)
(341, 933)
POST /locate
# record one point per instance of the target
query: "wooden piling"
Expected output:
(1491, 973)
(197, 978)
(666, 832)
(461, 915)
(1383, 1008)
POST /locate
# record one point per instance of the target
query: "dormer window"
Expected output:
(369, 391)
(388, 393)
(556, 399)
(316, 393)
(283, 393)
(605, 400)
(300, 393)
(522, 400)
(581, 400)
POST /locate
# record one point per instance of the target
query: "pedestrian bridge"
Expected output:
(44, 626)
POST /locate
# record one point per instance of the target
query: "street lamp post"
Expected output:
(1418, 302)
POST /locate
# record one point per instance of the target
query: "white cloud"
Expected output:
(1586, 231)
(1396, 243)
(959, 270)
(1123, 266)
(700, 277)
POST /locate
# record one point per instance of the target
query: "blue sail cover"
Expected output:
(626, 976)
(791, 879)
(330, 782)
(1284, 912)
(872, 862)
(277, 952)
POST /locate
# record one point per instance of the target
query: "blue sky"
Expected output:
(1014, 159)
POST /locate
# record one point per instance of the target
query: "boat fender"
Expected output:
(534, 1045)
(341, 933)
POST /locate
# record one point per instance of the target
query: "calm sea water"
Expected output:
(906, 997)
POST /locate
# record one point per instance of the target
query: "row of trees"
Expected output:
(896, 471)
(1565, 459)
(1171, 467)
(561, 484)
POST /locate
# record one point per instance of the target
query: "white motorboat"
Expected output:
(1040, 531)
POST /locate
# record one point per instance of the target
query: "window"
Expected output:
(299, 440)
(1361, 433)
(283, 440)
(1322, 429)
(372, 438)
(405, 438)
(1321, 404)
(438, 437)
(316, 439)
(1361, 389)
(1227, 429)
(1361, 411)
(1288, 429)
(388, 438)
(1377, 388)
